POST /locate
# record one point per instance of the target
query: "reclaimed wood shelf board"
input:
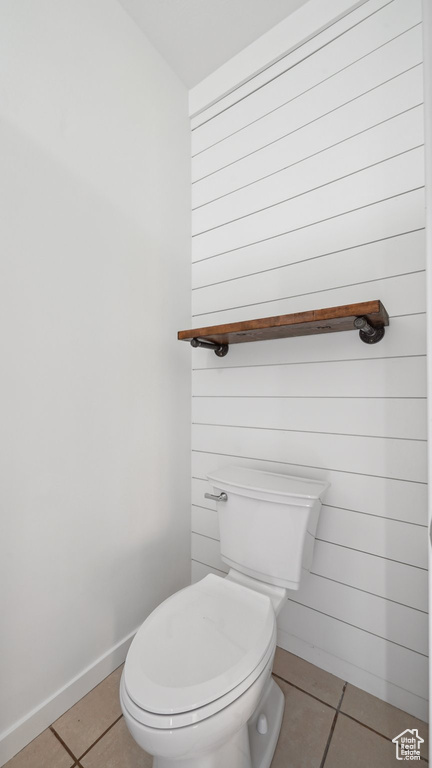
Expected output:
(368, 317)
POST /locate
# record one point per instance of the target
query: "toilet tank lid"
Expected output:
(268, 482)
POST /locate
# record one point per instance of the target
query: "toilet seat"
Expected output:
(198, 651)
(171, 722)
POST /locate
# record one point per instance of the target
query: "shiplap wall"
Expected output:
(308, 192)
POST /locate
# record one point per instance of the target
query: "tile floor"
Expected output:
(327, 723)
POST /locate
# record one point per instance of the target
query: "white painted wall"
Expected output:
(95, 282)
(308, 192)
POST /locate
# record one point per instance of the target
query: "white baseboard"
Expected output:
(377, 686)
(30, 726)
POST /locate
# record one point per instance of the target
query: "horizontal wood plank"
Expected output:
(290, 57)
(308, 193)
(207, 551)
(390, 580)
(382, 65)
(347, 669)
(371, 34)
(396, 582)
(380, 143)
(378, 575)
(401, 294)
(377, 686)
(397, 665)
(390, 539)
(200, 570)
(397, 418)
(371, 613)
(390, 620)
(375, 261)
(397, 95)
(393, 377)
(391, 177)
(382, 497)
(382, 220)
(383, 457)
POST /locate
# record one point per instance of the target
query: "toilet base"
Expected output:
(247, 748)
(262, 746)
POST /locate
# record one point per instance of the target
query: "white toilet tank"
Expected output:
(267, 523)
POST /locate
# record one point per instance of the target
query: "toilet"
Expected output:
(196, 689)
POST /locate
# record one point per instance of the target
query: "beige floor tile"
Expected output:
(81, 725)
(117, 749)
(43, 752)
(308, 677)
(382, 717)
(355, 746)
(305, 729)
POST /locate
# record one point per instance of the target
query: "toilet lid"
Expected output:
(196, 646)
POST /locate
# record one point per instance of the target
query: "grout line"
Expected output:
(100, 737)
(64, 745)
(369, 728)
(308, 191)
(337, 710)
(298, 688)
(342, 696)
(330, 736)
(333, 726)
(306, 226)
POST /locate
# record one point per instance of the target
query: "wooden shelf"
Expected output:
(368, 317)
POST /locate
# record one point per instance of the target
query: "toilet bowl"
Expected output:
(190, 707)
(196, 689)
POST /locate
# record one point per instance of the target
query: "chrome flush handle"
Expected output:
(222, 496)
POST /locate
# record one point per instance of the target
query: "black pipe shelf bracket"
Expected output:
(368, 333)
(219, 349)
(367, 317)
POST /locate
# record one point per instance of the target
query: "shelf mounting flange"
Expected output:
(219, 349)
(367, 332)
